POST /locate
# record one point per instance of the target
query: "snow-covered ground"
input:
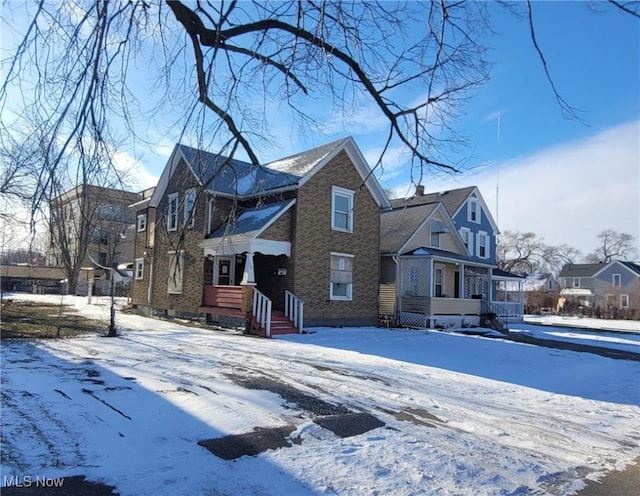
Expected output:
(585, 322)
(464, 414)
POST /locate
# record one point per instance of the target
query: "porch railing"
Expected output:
(294, 309)
(262, 311)
(508, 311)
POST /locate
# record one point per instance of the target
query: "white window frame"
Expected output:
(482, 235)
(142, 222)
(349, 194)
(174, 284)
(349, 286)
(173, 201)
(189, 207)
(624, 301)
(576, 282)
(211, 209)
(473, 205)
(469, 244)
(138, 269)
(616, 278)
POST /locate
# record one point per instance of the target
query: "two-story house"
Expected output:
(612, 287)
(273, 244)
(438, 262)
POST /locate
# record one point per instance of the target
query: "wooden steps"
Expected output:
(280, 324)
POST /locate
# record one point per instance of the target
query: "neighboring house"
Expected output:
(540, 292)
(611, 289)
(91, 223)
(438, 262)
(30, 278)
(282, 245)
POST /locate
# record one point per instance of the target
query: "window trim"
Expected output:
(142, 222)
(139, 264)
(613, 280)
(179, 256)
(349, 286)
(211, 209)
(482, 235)
(624, 303)
(189, 218)
(439, 269)
(476, 203)
(578, 285)
(171, 198)
(349, 194)
(469, 245)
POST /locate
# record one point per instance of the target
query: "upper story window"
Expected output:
(467, 239)
(576, 282)
(190, 207)
(210, 215)
(616, 280)
(172, 212)
(437, 228)
(341, 277)
(482, 245)
(142, 222)
(341, 209)
(473, 210)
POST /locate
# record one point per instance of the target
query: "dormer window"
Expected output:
(473, 211)
(341, 209)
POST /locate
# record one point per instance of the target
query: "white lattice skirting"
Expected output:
(410, 319)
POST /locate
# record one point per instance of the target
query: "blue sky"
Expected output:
(559, 178)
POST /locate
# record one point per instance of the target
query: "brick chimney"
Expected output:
(420, 190)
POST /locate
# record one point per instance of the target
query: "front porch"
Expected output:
(452, 291)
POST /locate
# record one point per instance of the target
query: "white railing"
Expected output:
(262, 311)
(294, 309)
(509, 312)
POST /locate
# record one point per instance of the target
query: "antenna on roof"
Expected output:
(498, 178)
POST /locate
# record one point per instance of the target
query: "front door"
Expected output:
(224, 273)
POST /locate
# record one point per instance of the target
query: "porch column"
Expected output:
(461, 277)
(431, 279)
(248, 276)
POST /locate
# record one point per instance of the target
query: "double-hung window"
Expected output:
(176, 271)
(341, 209)
(341, 279)
(190, 207)
(616, 280)
(139, 268)
(482, 245)
(142, 222)
(624, 301)
(172, 212)
(439, 282)
(576, 282)
(473, 211)
(467, 239)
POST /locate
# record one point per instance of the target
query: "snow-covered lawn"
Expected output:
(585, 322)
(463, 414)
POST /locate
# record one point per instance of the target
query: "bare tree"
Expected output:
(526, 253)
(221, 70)
(614, 245)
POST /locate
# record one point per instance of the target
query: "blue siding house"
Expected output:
(438, 260)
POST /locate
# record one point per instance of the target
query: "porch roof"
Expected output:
(243, 234)
(443, 254)
(503, 274)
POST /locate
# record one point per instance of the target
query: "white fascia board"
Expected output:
(227, 247)
(351, 148)
(611, 264)
(483, 205)
(167, 173)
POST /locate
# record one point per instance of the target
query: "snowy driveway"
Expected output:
(463, 415)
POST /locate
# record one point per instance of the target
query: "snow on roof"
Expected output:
(301, 163)
(250, 222)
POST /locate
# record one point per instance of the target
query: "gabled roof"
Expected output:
(581, 270)
(537, 281)
(632, 266)
(397, 226)
(243, 235)
(452, 200)
(235, 178)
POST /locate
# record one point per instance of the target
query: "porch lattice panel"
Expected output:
(414, 279)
